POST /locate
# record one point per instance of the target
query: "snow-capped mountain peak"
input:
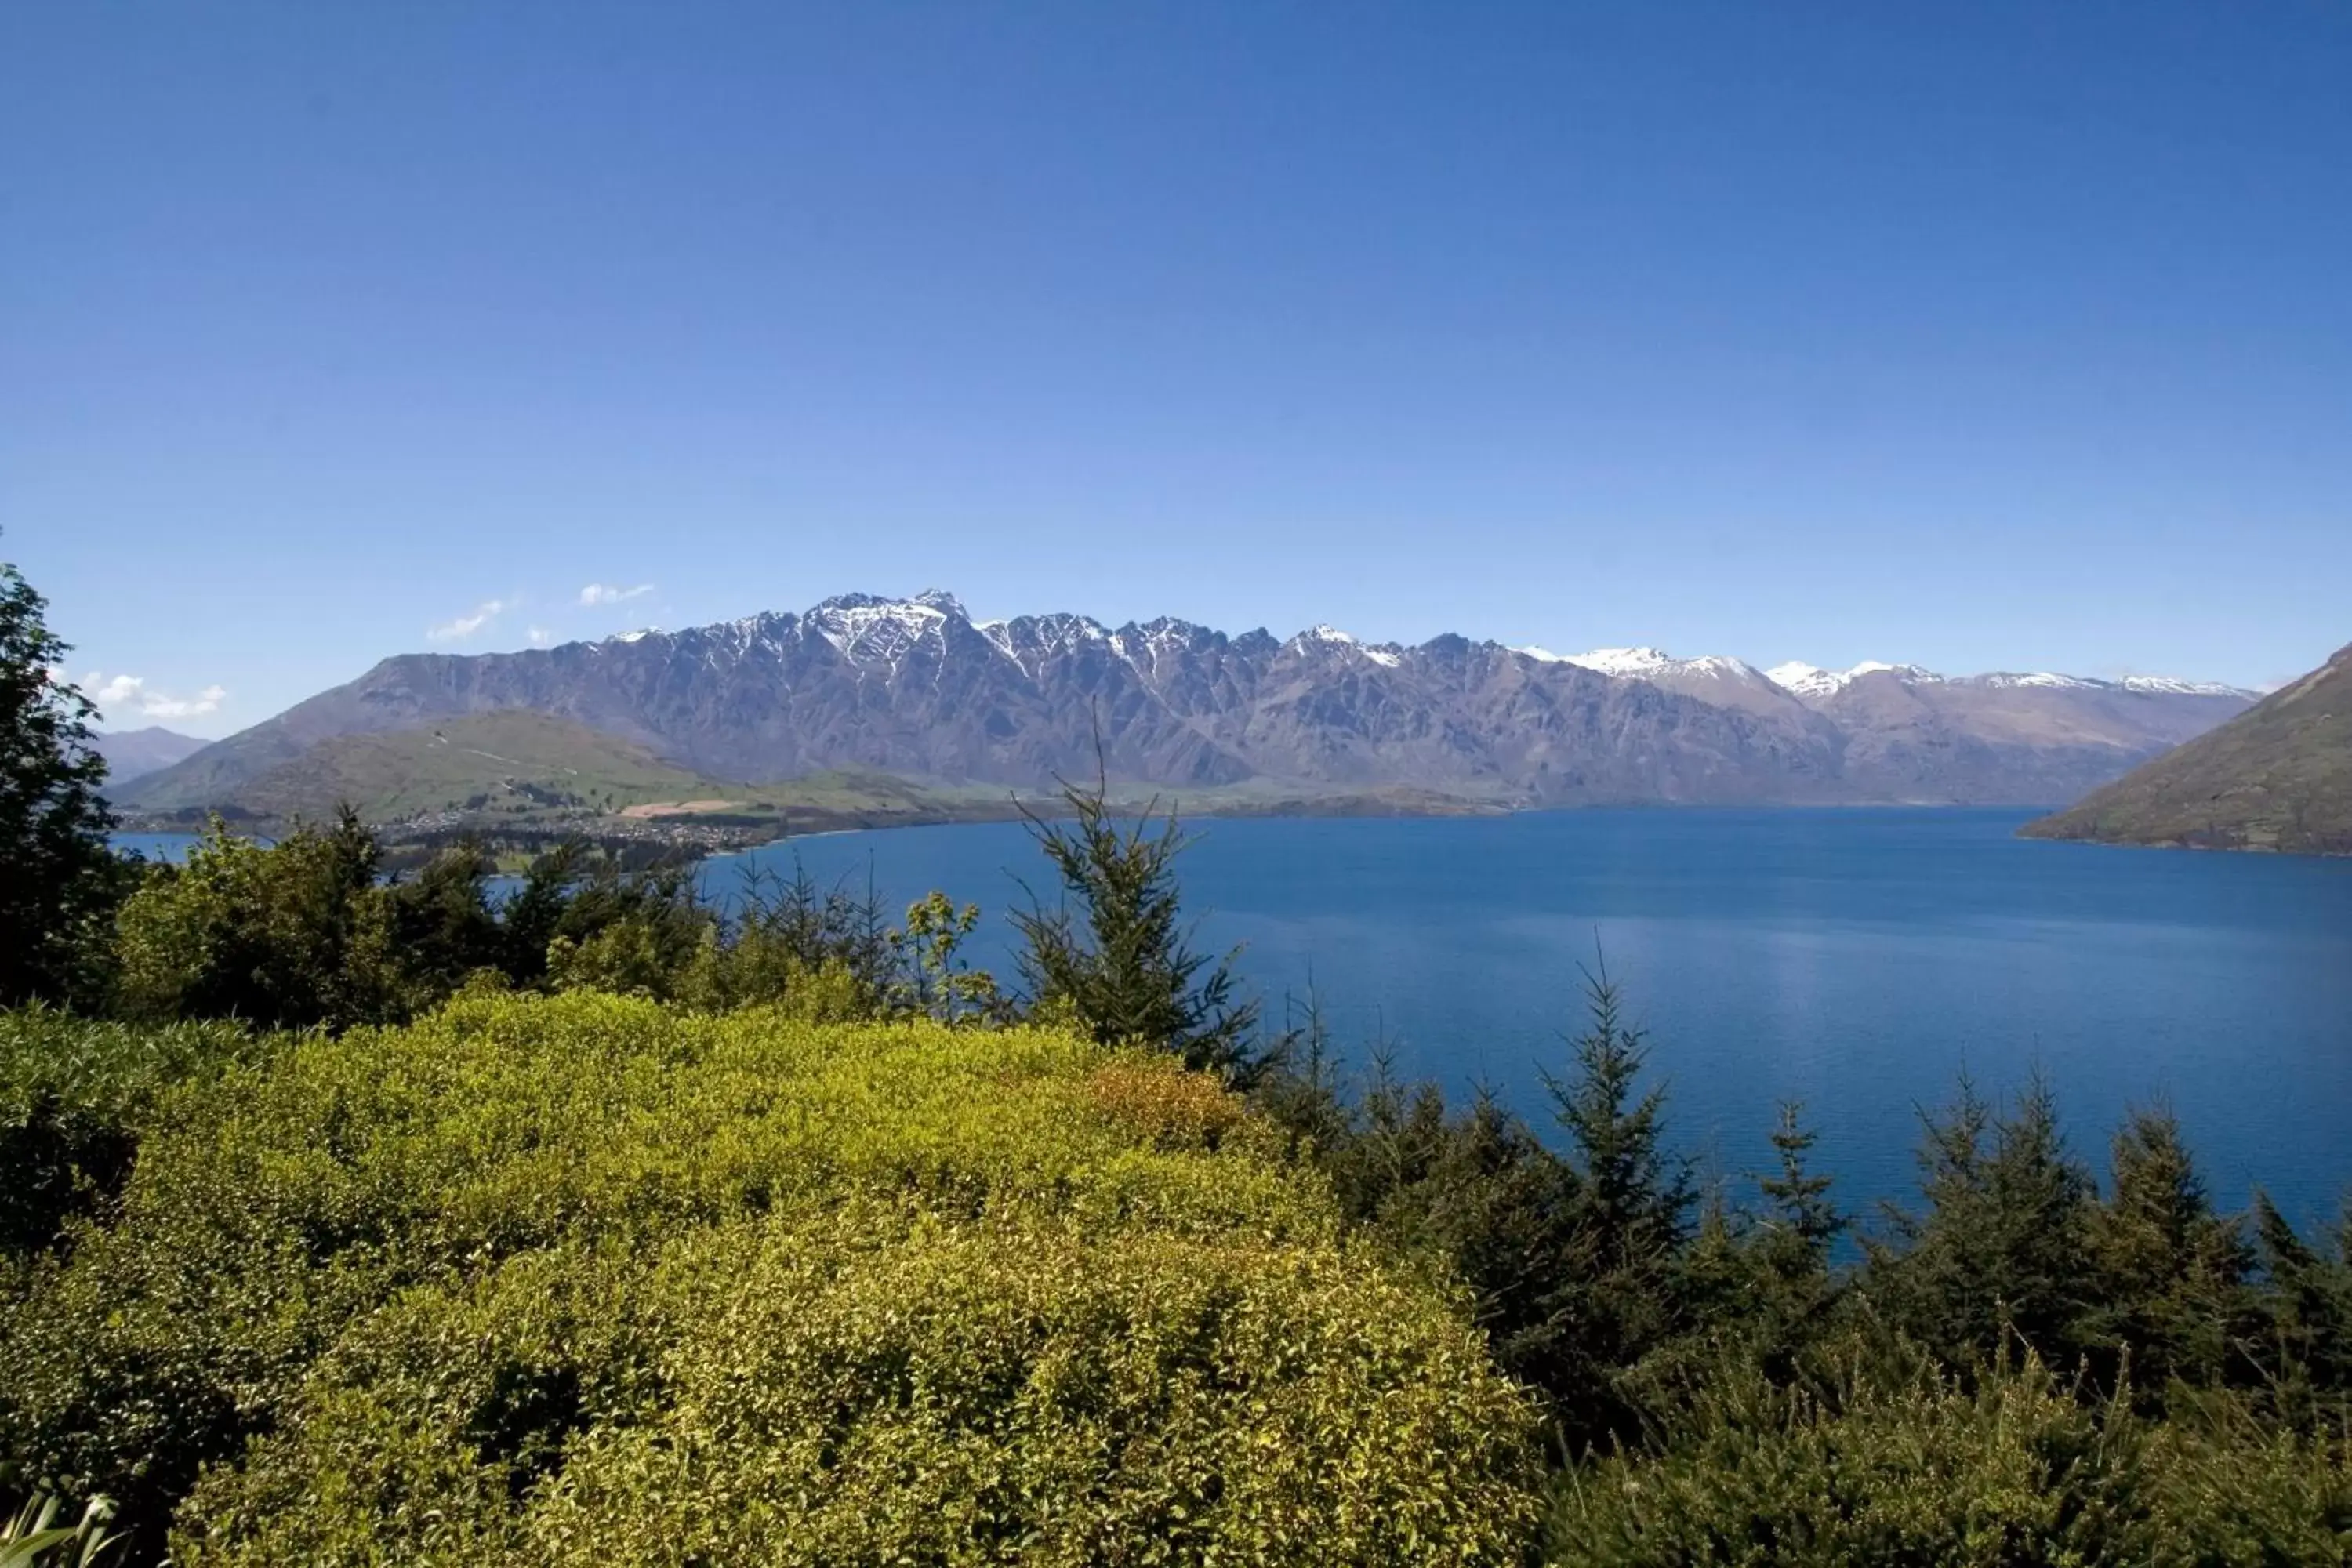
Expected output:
(868, 630)
(939, 599)
(1799, 677)
(1645, 663)
(2167, 686)
(1327, 636)
(1619, 661)
(1812, 681)
(1802, 679)
(2041, 678)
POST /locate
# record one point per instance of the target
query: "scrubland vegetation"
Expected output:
(352, 1220)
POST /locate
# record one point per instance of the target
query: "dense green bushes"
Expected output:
(310, 932)
(1719, 1392)
(540, 1278)
(73, 1095)
(1864, 1459)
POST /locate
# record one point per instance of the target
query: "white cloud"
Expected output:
(597, 594)
(119, 694)
(466, 626)
(540, 637)
(208, 701)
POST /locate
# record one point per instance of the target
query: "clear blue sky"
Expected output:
(1980, 335)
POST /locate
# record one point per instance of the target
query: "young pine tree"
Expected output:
(1799, 1223)
(2308, 1295)
(2003, 1245)
(1619, 1292)
(2170, 1297)
(1633, 1199)
(1115, 950)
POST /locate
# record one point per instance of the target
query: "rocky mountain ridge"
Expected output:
(917, 688)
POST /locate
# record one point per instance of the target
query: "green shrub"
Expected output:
(1866, 1469)
(74, 1094)
(1872, 1463)
(284, 936)
(539, 1277)
(2235, 1489)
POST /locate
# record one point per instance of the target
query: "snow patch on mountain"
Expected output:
(1388, 656)
(2167, 686)
(1647, 663)
(869, 631)
(1803, 680)
(2041, 678)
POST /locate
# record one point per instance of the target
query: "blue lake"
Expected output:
(171, 847)
(1854, 959)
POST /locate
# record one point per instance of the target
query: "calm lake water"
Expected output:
(1854, 959)
(173, 847)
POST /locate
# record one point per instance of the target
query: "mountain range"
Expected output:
(2278, 776)
(917, 687)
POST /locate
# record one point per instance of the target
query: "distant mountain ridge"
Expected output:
(2278, 776)
(135, 753)
(916, 687)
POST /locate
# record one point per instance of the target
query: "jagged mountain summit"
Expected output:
(917, 688)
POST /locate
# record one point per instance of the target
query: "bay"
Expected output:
(168, 846)
(1857, 961)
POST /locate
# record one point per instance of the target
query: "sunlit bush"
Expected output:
(74, 1095)
(543, 1280)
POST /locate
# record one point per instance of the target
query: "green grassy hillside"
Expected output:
(2278, 776)
(583, 1281)
(497, 762)
(524, 770)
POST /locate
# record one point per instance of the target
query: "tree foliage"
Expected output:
(58, 879)
(310, 932)
(1114, 950)
(284, 936)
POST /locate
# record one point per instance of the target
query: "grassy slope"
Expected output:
(2278, 776)
(522, 768)
(510, 757)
